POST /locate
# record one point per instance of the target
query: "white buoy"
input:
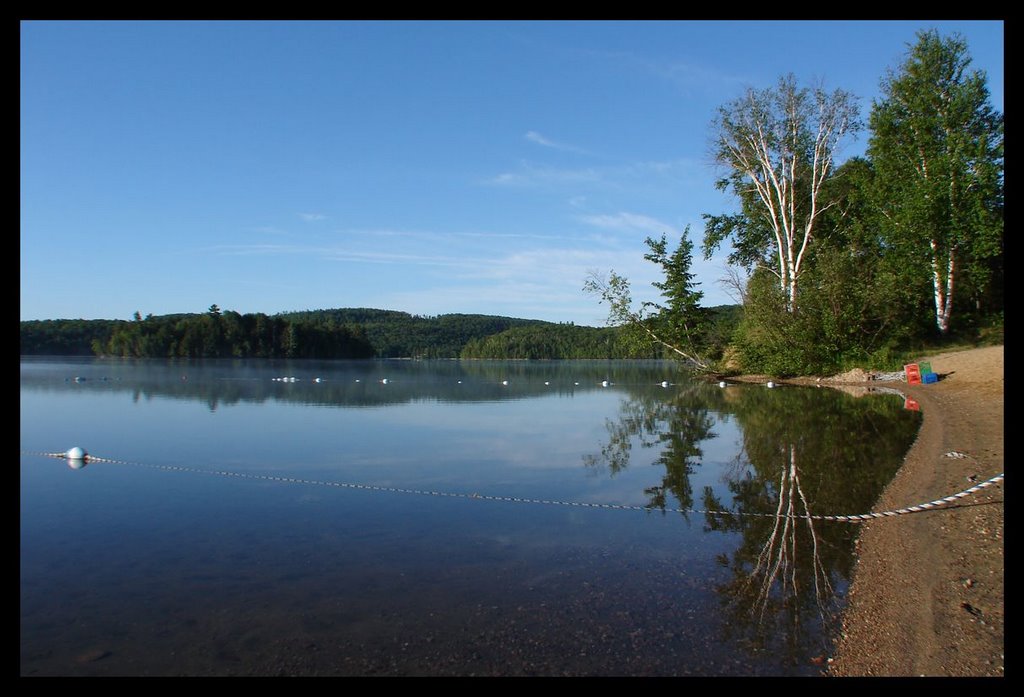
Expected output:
(770, 384)
(664, 383)
(546, 382)
(460, 382)
(722, 383)
(317, 380)
(504, 382)
(357, 379)
(604, 383)
(76, 453)
(576, 383)
(384, 381)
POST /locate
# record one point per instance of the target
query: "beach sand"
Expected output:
(927, 593)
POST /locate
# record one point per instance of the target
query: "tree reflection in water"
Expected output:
(784, 569)
(677, 426)
(804, 452)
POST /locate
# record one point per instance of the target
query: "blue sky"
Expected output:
(430, 167)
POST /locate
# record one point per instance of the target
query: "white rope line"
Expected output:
(919, 508)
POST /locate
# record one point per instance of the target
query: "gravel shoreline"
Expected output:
(928, 589)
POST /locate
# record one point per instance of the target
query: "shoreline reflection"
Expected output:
(804, 452)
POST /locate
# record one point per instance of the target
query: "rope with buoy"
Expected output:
(77, 458)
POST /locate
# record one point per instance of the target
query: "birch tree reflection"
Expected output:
(804, 452)
(784, 571)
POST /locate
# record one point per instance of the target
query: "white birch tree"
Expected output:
(778, 147)
(937, 146)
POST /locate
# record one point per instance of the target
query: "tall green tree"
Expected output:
(862, 298)
(777, 146)
(679, 324)
(681, 315)
(937, 148)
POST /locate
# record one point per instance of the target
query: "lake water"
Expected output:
(249, 525)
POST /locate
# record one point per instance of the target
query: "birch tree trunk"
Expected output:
(778, 146)
(937, 146)
(943, 291)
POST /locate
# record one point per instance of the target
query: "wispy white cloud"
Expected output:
(341, 253)
(529, 175)
(681, 73)
(540, 282)
(448, 235)
(531, 278)
(535, 137)
(392, 258)
(686, 75)
(690, 75)
(312, 217)
(538, 138)
(627, 222)
(640, 175)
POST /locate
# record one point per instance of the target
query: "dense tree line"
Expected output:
(214, 334)
(346, 333)
(857, 264)
(65, 337)
(908, 247)
(568, 341)
(396, 334)
(549, 341)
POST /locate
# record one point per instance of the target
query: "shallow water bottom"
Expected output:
(491, 589)
(591, 616)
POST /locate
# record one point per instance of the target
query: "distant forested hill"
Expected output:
(396, 334)
(65, 337)
(333, 333)
(214, 334)
(550, 341)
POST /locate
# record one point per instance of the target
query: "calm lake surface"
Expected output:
(228, 536)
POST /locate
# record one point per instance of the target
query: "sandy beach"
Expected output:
(928, 589)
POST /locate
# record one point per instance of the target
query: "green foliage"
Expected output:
(396, 334)
(214, 334)
(777, 147)
(926, 201)
(888, 230)
(721, 328)
(770, 339)
(338, 333)
(850, 315)
(679, 325)
(681, 317)
(937, 146)
(551, 341)
(65, 337)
